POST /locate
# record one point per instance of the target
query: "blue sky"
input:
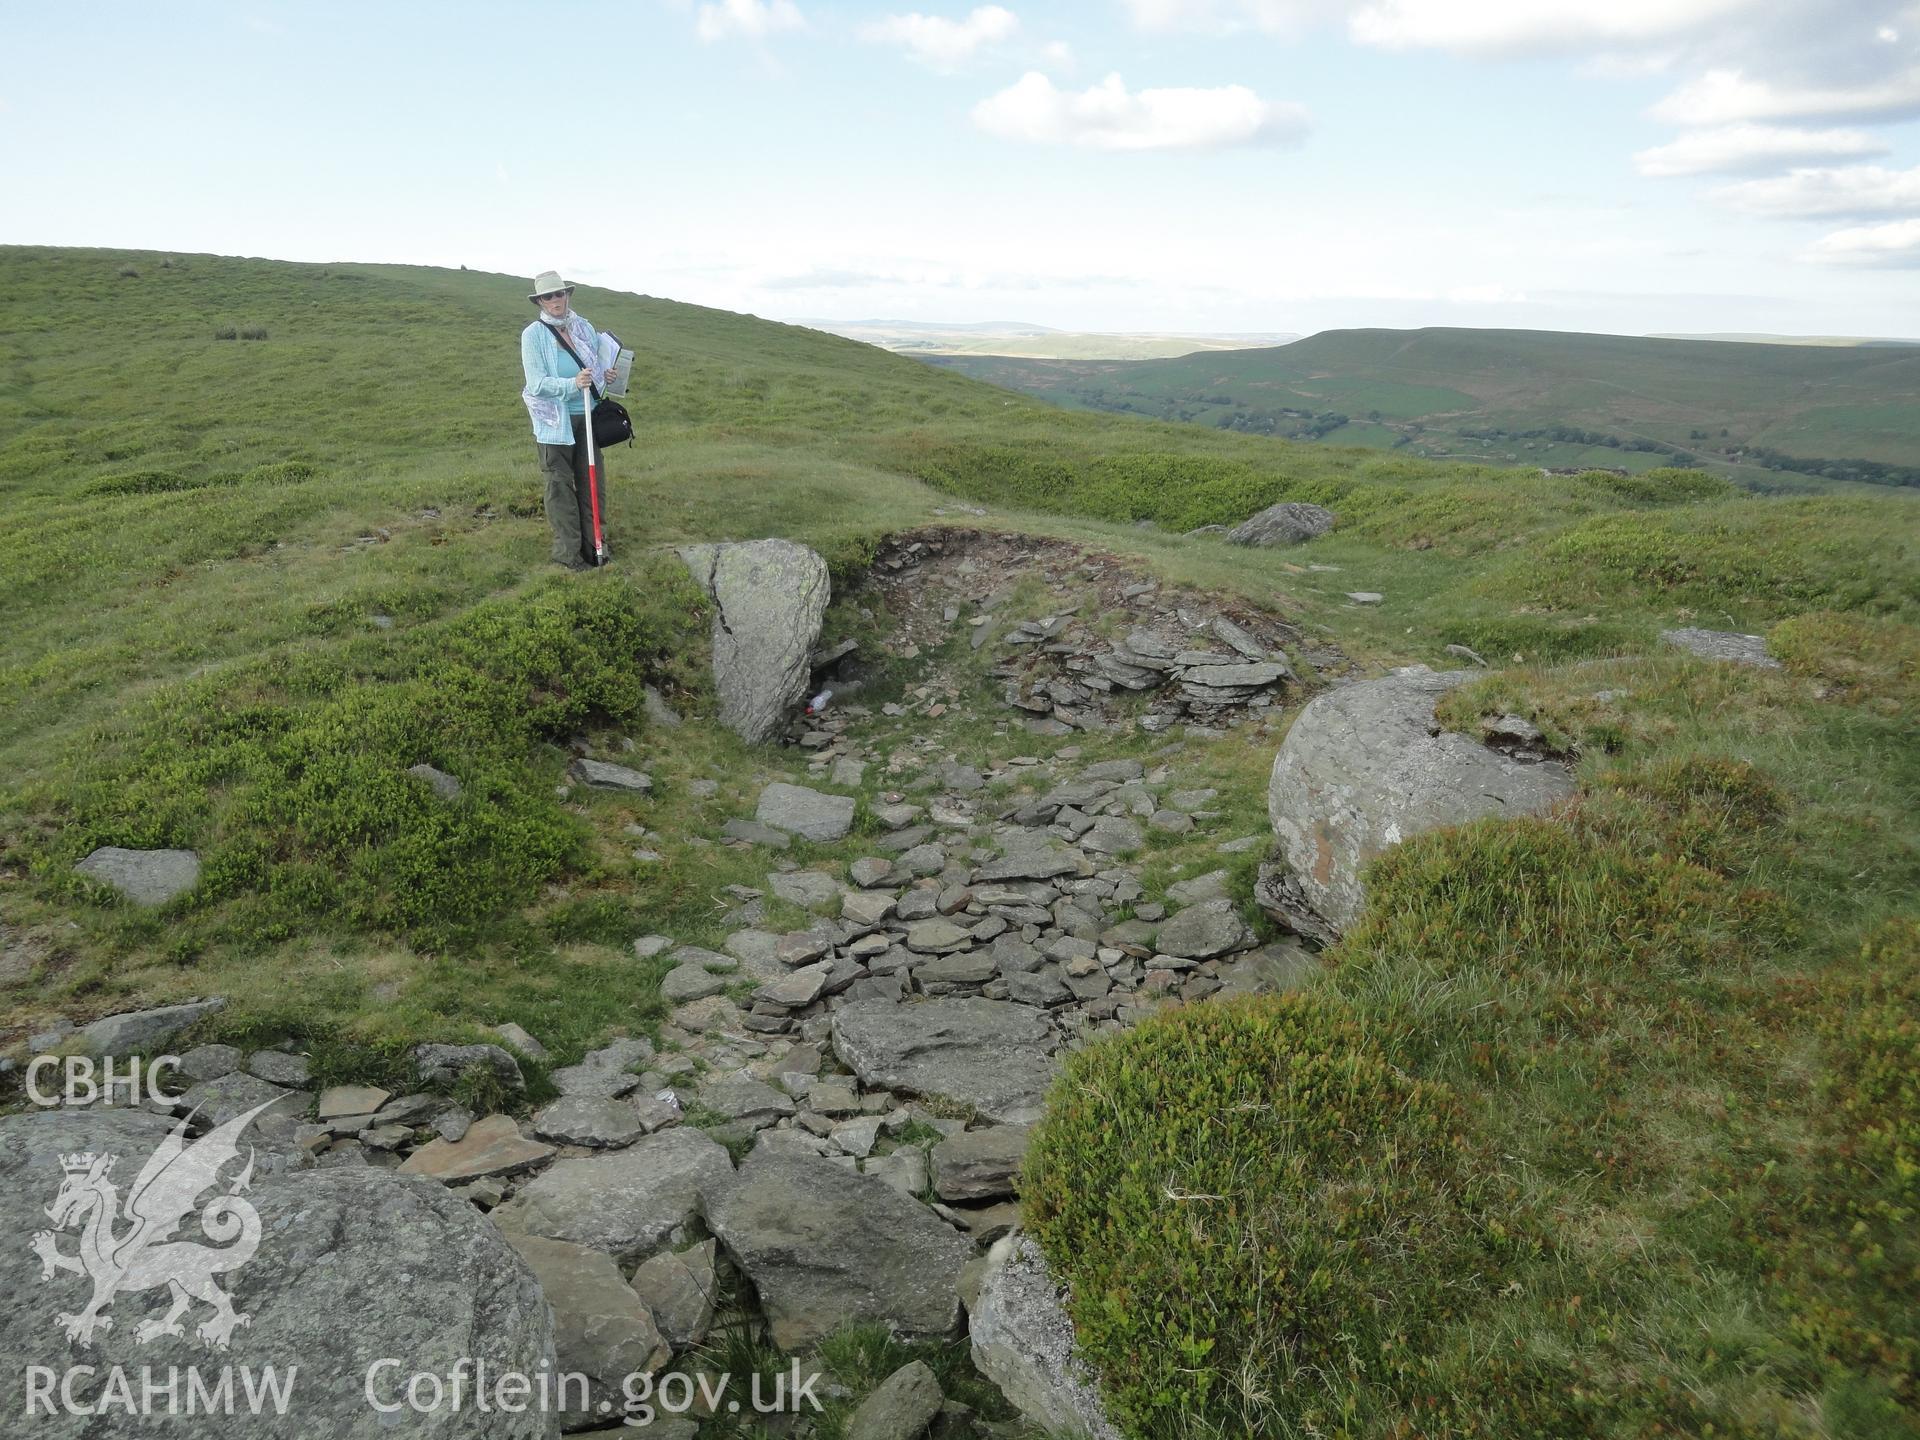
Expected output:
(1630, 166)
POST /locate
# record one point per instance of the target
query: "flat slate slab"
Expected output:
(980, 1164)
(1112, 835)
(826, 1247)
(627, 1202)
(339, 1100)
(1043, 862)
(602, 1329)
(690, 981)
(146, 877)
(218, 1101)
(1728, 645)
(588, 1120)
(1250, 676)
(605, 1073)
(807, 888)
(1202, 931)
(600, 775)
(803, 812)
(144, 1031)
(989, 1054)
(493, 1146)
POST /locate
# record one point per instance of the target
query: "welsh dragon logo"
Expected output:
(145, 1255)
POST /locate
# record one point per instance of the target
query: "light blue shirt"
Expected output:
(550, 373)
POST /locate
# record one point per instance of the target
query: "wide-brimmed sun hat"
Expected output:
(547, 282)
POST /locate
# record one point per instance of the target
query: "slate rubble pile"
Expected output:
(878, 1069)
(1109, 634)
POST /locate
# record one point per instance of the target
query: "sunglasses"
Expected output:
(553, 295)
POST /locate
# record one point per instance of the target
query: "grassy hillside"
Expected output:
(1532, 397)
(1604, 1126)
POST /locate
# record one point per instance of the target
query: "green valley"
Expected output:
(1778, 417)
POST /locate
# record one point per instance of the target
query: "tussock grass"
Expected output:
(1680, 1106)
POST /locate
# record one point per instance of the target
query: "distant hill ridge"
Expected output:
(1014, 338)
(1531, 396)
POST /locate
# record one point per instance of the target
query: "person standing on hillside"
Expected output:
(559, 352)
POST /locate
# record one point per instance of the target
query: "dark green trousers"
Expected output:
(568, 501)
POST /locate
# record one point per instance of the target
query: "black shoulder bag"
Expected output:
(611, 423)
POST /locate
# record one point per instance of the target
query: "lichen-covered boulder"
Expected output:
(355, 1278)
(769, 597)
(1365, 767)
(1289, 523)
(1023, 1342)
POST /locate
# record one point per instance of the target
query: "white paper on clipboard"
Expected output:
(616, 361)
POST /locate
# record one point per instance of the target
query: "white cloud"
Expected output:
(1894, 246)
(1492, 293)
(1721, 97)
(1738, 149)
(1854, 190)
(1059, 54)
(1225, 17)
(1518, 27)
(747, 19)
(942, 43)
(1107, 117)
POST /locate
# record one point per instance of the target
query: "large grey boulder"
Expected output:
(1365, 767)
(1285, 524)
(989, 1054)
(146, 877)
(628, 1202)
(768, 600)
(826, 1247)
(352, 1267)
(1023, 1342)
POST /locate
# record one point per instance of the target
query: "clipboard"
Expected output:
(617, 361)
